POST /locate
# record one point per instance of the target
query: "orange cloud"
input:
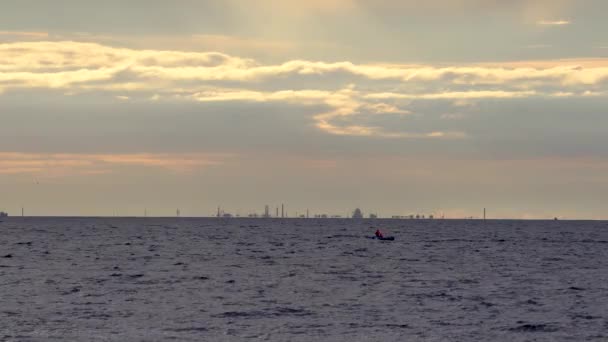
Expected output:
(61, 164)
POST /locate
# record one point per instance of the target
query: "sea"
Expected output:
(210, 279)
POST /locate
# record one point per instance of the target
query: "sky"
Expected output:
(396, 107)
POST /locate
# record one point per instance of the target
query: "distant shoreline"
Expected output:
(481, 220)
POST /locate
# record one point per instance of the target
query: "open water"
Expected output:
(127, 279)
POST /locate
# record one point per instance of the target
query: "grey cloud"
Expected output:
(154, 75)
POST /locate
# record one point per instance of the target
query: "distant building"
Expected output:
(266, 212)
(3, 214)
(357, 214)
(431, 217)
(373, 216)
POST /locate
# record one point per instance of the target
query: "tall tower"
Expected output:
(266, 212)
(282, 210)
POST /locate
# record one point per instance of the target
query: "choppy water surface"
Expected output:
(102, 279)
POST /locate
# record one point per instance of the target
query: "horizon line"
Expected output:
(306, 218)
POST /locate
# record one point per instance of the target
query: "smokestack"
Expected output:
(282, 210)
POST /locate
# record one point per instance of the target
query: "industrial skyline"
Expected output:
(356, 213)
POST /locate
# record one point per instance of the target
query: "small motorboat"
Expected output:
(384, 238)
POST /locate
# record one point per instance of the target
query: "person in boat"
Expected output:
(379, 234)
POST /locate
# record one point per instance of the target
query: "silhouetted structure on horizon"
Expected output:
(357, 214)
(266, 212)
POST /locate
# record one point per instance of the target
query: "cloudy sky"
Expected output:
(397, 107)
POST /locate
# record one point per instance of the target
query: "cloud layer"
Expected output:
(554, 22)
(61, 164)
(352, 93)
